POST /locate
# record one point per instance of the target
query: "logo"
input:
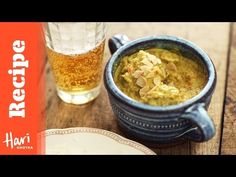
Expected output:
(14, 142)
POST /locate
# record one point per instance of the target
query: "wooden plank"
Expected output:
(215, 43)
(229, 132)
(212, 37)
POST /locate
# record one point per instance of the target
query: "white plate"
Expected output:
(85, 140)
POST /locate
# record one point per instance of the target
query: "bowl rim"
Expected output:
(208, 88)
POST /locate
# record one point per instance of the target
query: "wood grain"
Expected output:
(216, 45)
(229, 128)
(212, 37)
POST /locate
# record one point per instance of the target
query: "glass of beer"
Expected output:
(75, 53)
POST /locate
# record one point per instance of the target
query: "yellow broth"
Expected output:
(159, 77)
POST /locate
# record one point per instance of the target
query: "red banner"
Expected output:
(21, 88)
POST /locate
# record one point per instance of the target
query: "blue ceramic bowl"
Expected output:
(161, 124)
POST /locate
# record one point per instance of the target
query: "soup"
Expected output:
(159, 77)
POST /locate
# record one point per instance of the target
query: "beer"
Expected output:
(75, 53)
(77, 72)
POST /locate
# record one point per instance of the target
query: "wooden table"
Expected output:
(217, 39)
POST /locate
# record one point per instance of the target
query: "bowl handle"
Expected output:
(116, 41)
(205, 128)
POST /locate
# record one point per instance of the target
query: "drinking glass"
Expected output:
(75, 53)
